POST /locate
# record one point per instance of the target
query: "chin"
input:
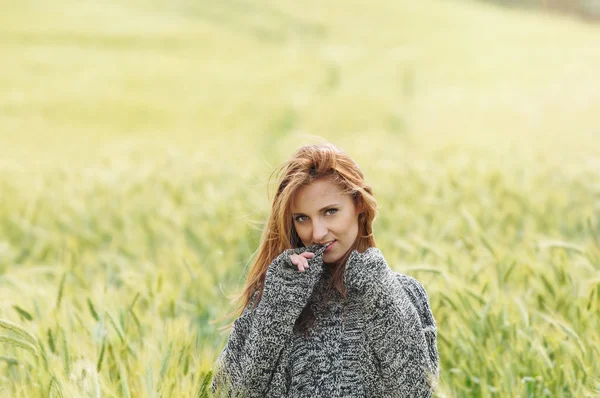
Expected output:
(330, 259)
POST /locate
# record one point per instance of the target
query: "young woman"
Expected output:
(322, 313)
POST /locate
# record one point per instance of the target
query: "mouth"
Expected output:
(329, 245)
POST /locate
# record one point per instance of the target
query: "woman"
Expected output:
(323, 315)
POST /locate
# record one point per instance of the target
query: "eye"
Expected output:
(299, 218)
(331, 211)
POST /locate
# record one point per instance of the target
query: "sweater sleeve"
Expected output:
(400, 328)
(246, 365)
(419, 299)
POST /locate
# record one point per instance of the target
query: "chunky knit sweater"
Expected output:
(381, 342)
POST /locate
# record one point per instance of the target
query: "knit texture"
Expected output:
(381, 342)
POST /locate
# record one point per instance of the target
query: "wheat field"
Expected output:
(136, 142)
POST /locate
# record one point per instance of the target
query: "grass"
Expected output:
(136, 138)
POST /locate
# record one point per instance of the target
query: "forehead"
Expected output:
(314, 196)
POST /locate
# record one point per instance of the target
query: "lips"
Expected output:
(328, 246)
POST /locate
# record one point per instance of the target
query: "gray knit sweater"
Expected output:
(382, 342)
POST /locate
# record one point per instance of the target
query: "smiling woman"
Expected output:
(322, 313)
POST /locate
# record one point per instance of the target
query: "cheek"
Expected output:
(350, 226)
(303, 233)
(354, 228)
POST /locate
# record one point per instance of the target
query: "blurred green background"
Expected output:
(137, 138)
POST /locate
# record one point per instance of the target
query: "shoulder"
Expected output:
(412, 286)
(418, 296)
(370, 255)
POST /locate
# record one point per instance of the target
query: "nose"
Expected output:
(319, 231)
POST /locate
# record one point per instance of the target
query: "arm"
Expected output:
(259, 335)
(418, 297)
(399, 325)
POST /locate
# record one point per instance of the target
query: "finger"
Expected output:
(307, 255)
(296, 260)
(301, 264)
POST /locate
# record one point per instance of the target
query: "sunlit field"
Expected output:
(137, 138)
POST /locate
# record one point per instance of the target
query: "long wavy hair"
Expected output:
(306, 165)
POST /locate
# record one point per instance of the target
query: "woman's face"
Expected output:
(321, 214)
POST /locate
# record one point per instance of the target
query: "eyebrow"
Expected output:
(320, 210)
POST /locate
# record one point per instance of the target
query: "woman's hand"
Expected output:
(301, 260)
(289, 275)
